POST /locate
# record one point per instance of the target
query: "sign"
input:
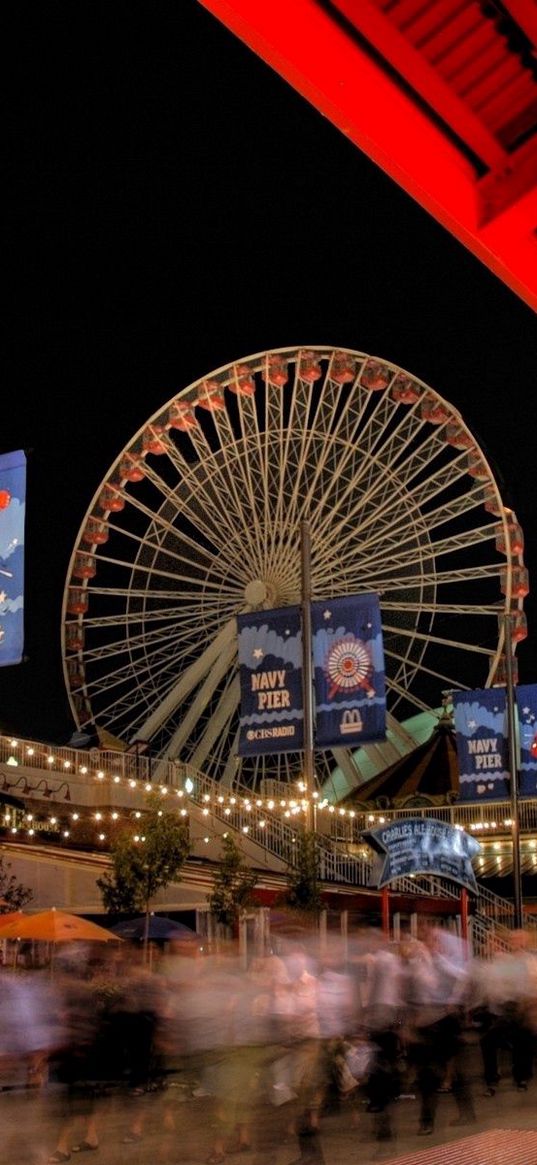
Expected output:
(422, 845)
(526, 698)
(270, 662)
(482, 744)
(348, 662)
(12, 513)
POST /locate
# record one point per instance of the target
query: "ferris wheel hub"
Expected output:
(256, 592)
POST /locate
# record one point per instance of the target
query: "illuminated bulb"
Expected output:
(259, 804)
(100, 775)
(532, 843)
(50, 760)
(136, 837)
(84, 769)
(270, 804)
(98, 816)
(66, 833)
(331, 809)
(148, 788)
(227, 812)
(137, 814)
(493, 824)
(183, 813)
(262, 824)
(30, 751)
(206, 797)
(206, 840)
(159, 813)
(117, 780)
(232, 800)
(371, 817)
(180, 793)
(75, 816)
(102, 836)
(31, 832)
(115, 816)
(245, 828)
(315, 795)
(283, 804)
(496, 845)
(382, 820)
(220, 800)
(352, 813)
(29, 816)
(287, 813)
(341, 812)
(67, 764)
(142, 837)
(205, 812)
(13, 743)
(164, 790)
(14, 829)
(132, 784)
(53, 820)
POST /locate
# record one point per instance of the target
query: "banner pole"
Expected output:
(307, 667)
(513, 773)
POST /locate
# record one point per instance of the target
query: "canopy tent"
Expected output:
(159, 927)
(428, 774)
(56, 926)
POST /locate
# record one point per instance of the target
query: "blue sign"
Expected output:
(422, 845)
(482, 744)
(12, 512)
(270, 662)
(348, 659)
(526, 698)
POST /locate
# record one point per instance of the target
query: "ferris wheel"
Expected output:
(199, 519)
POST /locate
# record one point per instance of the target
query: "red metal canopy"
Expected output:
(442, 94)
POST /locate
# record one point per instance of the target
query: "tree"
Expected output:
(302, 891)
(13, 894)
(233, 885)
(146, 862)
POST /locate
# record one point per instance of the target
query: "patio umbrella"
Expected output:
(55, 926)
(159, 927)
(7, 919)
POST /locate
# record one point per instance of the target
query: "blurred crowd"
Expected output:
(259, 1053)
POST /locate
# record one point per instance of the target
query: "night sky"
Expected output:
(174, 205)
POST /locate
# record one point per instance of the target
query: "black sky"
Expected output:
(174, 206)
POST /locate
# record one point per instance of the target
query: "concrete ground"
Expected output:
(178, 1129)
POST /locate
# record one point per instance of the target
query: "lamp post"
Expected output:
(307, 668)
(513, 771)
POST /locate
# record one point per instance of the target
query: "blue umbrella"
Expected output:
(159, 928)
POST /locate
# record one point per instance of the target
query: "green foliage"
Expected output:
(302, 891)
(233, 885)
(13, 894)
(141, 868)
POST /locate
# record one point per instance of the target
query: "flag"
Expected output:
(482, 744)
(12, 511)
(348, 662)
(526, 698)
(270, 663)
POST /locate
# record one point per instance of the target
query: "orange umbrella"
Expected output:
(8, 919)
(55, 926)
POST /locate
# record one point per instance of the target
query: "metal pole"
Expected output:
(307, 667)
(513, 773)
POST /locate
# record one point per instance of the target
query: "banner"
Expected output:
(526, 698)
(270, 662)
(422, 845)
(12, 511)
(348, 662)
(482, 745)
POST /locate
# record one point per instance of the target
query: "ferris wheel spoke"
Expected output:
(217, 726)
(202, 698)
(447, 681)
(433, 579)
(457, 609)
(421, 637)
(199, 555)
(438, 549)
(180, 634)
(405, 694)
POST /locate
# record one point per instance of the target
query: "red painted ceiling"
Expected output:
(442, 94)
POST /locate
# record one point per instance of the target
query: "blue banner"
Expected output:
(482, 744)
(12, 512)
(348, 660)
(422, 845)
(526, 698)
(270, 662)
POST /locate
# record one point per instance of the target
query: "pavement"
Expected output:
(179, 1129)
